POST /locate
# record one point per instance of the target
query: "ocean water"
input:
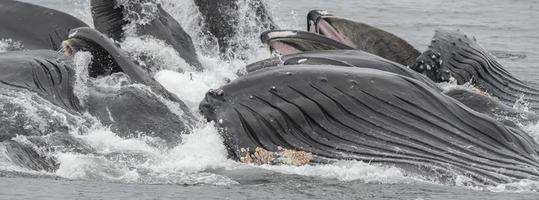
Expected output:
(199, 169)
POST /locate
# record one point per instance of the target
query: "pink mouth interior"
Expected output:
(324, 28)
(283, 48)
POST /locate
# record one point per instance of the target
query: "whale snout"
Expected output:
(213, 99)
(313, 17)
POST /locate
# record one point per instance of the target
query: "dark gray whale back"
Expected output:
(340, 58)
(492, 107)
(47, 73)
(35, 27)
(109, 18)
(454, 54)
(475, 100)
(368, 115)
(363, 37)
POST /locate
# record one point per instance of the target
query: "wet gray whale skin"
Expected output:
(369, 115)
(51, 76)
(109, 19)
(453, 54)
(362, 36)
(475, 100)
(342, 58)
(44, 28)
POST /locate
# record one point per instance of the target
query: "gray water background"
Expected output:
(507, 28)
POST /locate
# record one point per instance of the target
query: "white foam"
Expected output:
(137, 160)
(138, 12)
(202, 150)
(348, 171)
(82, 60)
(7, 44)
(161, 55)
(78, 166)
(519, 186)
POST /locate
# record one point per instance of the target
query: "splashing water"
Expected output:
(7, 44)
(139, 12)
(201, 155)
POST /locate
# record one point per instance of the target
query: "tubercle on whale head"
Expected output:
(214, 99)
(430, 64)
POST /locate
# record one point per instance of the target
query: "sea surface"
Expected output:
(199, 169)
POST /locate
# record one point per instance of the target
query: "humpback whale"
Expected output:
(362, 36)
(476, 100)
(38, 99)
(454, 56)
(328, 32)
(112, 16)
(50, 75)
(44, 28)
(110, 56)
(369, 115)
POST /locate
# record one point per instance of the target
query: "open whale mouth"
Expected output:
(319, 21)
(286, 42)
